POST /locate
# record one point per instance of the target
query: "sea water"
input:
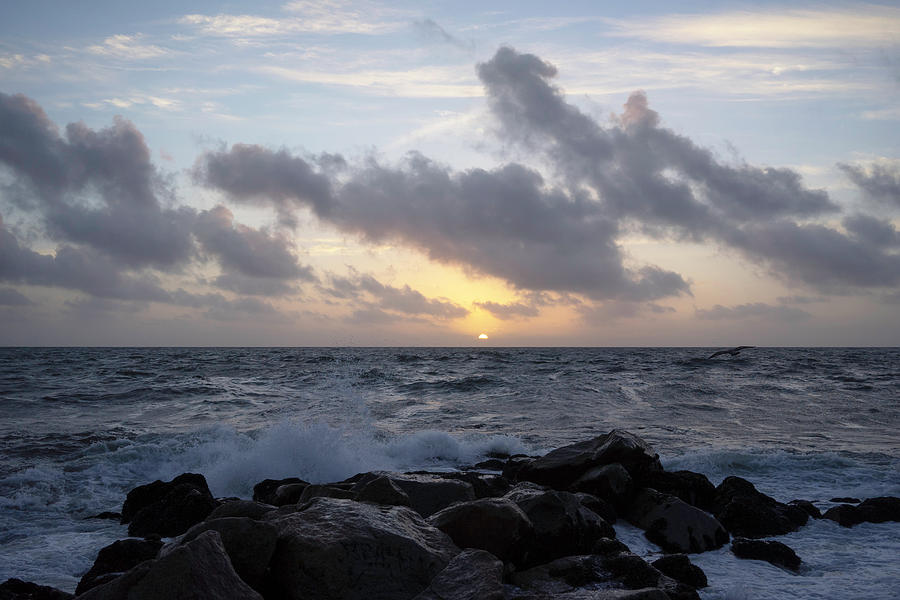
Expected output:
(80, 427)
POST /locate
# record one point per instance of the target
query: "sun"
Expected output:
(483, 336)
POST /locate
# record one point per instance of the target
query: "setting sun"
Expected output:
(483, 336)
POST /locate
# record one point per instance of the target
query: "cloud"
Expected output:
(429, 29)
(872, 231)
(11, 297)
(755, 310)
(66, 176)
(247, 252)
(403, 300)
(127, 47)
(862, 25)
(879, 181)
(511, 310)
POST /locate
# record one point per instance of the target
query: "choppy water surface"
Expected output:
(79, 427)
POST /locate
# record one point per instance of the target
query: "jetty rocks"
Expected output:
(527, 528)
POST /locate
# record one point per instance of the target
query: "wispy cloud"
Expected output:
(421, 82)
(128, 47)
(858, 25)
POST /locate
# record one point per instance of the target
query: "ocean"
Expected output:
(79, 427)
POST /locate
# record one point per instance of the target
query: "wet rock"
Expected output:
(198, 570)
(746, 512)
(770, 551)
(808, 507)
(560, 468)
(680, 568)
(241, 508)
(428, 493)
(514, 464)
(471, 575)
(16, 589)
(289, 493)
(694, 488)
(496, 525)
(601, 507)
(264, 491)
(872, 510)
(334, 548)
(846, 500)
(324, 491)
(611, 483)
(382, 490)
(167, 508)
(674, 524)
(248, 543)
(115, 559)
(484, 486)
(562, 525)
(491, 464)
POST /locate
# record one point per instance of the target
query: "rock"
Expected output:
(197, 570)
(112, 516)
(680, 568)
(289, 493)
(471, 575)
(382, 490)
(674, 524)
(323, 491)
(560, 468)
(694, 488)
(248, 543)
(514, 464)
(770, 551)
(562, 525)
(872, 510)
(496, 525)
(335, 548)
(427, 493)
(609, 546)
(846, 500)
(611, 483)
(118, 557)
(746, 512)
(491, 464)
(264, 491)
(241, 508)
(167, 509)
(484, 486)
(16, 589)
(808, 507)
(601, 507)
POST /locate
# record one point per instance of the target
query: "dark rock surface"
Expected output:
(241, 508)
(471, 575)
(198, 570)
(334, 548)
(264, 491)
(746, 512)
(382, 490)
(872, 510)
(496, 525)
(808, 507)
(674, 524)
(118, 557)
(323, 491)
(427, 492)
(611, 483)
(694, 488)
(16, 589)
(167, 508)
(770, 551)
(680, 568)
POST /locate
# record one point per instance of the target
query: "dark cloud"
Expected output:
(869, 230)
(756, 310)
(97, 188)
(880, 182)
(11, 297)
(512, 310)
(403, 300)
(255, 261)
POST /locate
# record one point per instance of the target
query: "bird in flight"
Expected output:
(732, 351)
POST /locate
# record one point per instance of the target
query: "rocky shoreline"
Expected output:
(510, 528)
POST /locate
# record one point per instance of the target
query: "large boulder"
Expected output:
(167, 508)
(249, 544)
(324, 491)
(198, 570)
(496, 525)
(16, 589)
(747, 512)
(484, 485)
(873, 510)
(382, 490)
(611, 483)
(427, 492)
(770, 551)
(562, 524)
(334, 548)
(680, 568)
(560, 468)
(115, 559)
(674, 524)
(694, 488)
(241, 508)
(471, 575)
(266, 490)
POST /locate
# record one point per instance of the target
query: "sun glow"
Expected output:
(483, 336)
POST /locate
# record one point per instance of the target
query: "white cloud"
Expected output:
(422, 82)
(127, 47)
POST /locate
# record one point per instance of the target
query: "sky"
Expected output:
(335, 173)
